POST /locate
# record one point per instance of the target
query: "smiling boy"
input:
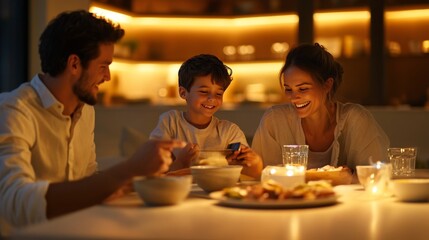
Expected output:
(203, 79)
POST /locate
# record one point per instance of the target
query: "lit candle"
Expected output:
(378, 182)
(288, 176)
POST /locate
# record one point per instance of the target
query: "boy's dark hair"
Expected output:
(203, 65)
(77, 32)
(317, 61)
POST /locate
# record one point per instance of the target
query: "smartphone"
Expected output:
(235, 146)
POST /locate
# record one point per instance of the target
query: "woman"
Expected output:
(338, 134)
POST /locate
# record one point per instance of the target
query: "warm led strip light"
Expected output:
(342, 16)
(253, 21)
(195, 22)
(408, 14)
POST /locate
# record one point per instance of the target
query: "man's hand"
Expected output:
(154, 157)
(185, 157)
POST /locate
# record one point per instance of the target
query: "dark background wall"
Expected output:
(13, 43)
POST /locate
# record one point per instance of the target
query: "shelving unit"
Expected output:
(165, 41)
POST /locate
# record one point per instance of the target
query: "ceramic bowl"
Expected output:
(216, 178)
(411, 190)
(166, 190)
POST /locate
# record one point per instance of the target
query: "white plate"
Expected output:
(287, 203)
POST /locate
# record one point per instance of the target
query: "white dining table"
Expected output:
(355, 215)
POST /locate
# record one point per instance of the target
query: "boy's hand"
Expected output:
(246, 156)
(251, 161)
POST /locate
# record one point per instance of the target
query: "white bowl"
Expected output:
(411, 190)
(216, 178)
(166, 190)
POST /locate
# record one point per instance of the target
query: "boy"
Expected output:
(203, 79)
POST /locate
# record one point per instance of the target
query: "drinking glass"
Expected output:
(365, 172)
(295, 155)
(377, 183)
(403, 160)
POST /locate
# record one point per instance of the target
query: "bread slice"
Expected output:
(337, 176)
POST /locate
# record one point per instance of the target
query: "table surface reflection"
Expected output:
(355, 216)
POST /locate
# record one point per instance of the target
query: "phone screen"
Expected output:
(235, 146)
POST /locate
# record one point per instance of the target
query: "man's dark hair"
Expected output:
(203, 65)
(77, 32)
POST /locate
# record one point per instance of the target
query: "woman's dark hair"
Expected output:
(203, 65)
(77, 32)
(318, 62)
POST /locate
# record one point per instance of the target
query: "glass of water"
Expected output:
(295, 155)
(403, 160)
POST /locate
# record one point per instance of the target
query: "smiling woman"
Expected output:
(337, 134)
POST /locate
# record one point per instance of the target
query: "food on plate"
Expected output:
(271, 190)
(212, 157)
(328, 168)
(336, 175)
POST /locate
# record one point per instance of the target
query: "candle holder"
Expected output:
(287, 175)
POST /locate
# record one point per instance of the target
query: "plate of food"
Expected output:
(272, 195)
(336, 175)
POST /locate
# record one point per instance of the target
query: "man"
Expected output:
(47, 150)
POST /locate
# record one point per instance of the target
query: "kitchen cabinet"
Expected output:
(250, 42)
